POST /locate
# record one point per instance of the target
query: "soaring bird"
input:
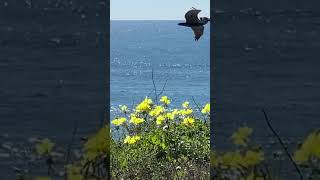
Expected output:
(196, 24)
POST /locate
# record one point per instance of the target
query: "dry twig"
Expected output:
(282, 144)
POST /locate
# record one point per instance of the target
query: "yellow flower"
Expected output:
(134, 115)
(170, 116)
(206, 109)
(310, 148)
(188, 121)
(131, 139)
(44, 147)
(118, 121)
(165, 100)
(145, 105)
(185, 111)
(124, 108)
(185, 104)
(240, 137)
(156, 111)
(175, 112)
(136, 120)
(160, 119)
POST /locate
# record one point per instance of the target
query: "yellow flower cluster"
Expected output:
(136, 120)
(124, 108)
(185, 104)
(165, 100)
(241, 136)
(206, 109)
(175, 112)
(160, 119)
(309, 149)
(188, 121)
(145, 105)
(156, 111)
(158, 114)
(131, 139)
(170, 115)
(185, 112)
(118, 121)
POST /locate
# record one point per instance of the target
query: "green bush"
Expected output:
(153, 141)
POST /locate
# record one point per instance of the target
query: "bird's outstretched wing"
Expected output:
(198, 32)
(192, 16)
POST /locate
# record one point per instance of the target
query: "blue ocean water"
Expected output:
(138, 47)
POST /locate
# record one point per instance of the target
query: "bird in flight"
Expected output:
(196, 24)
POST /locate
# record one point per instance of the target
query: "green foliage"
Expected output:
(97, 145)
(245, 162)
(44, 146)
(308, 155)
(172, 143)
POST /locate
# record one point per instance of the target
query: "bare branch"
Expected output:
(194, 101)
(163, 88)
(154, 86)
(75, 129)
(149, 94)
(282, 144)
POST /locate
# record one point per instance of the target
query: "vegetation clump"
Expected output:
(153, 141)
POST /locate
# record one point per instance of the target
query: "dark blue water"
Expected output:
(51, 72)
(137, 47)
(267, 60)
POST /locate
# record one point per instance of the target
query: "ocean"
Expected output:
(51, 73)
(267, 60)
(180, 65)
(270, 60)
